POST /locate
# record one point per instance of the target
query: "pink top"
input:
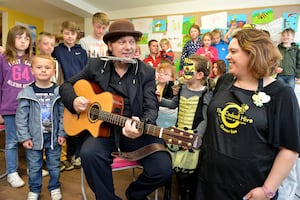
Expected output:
(211, 53)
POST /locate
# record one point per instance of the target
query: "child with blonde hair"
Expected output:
(166, 52)
(94, 44)
(40, 128)
(221, 46)
(208, 50)
(46, 43)
(165, 76)
(290, 63)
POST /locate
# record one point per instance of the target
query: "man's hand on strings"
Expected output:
(130, 129)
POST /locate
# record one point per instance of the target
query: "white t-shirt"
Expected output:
(94, 47)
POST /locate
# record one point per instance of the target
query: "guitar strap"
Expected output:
(140, 153)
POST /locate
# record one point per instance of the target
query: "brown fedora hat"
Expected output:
(121, 28)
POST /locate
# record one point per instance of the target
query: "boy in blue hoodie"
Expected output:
(220, 45)
(72, 59)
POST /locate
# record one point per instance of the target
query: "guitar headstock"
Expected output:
(182, 138)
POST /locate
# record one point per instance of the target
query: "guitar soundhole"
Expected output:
(94, 112)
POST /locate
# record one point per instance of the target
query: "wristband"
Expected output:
(270, 194)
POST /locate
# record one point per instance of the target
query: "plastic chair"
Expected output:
(117, 165)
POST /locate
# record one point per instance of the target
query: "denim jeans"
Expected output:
(288, 79)
(11, 144)
(35, 163)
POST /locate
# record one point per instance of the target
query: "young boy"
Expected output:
(290, 62)
(94, 44)
(72, 59)
(39, 126)
(46, 43)
(192, 102)
(221, 46)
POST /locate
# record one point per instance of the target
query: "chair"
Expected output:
(117, 165)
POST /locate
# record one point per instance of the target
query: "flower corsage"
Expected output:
(259, 97)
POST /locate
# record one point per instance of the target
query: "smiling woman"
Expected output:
(243, 127)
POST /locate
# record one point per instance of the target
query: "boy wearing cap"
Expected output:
(135, 83)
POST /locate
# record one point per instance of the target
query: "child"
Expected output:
(165, 76)
(46, 42)
(290, 62)
(221, 46)
(192, 102)
(192, 45)
(138, 52)
(94, 44)
(208, 50)
(72, 59)
(166, 52)
(232, 30)
(39, 126)
(45, 45)
(218, 69)
(14, 76)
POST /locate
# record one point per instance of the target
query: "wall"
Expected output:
(53, 25)
(278, 11)
(10, 17)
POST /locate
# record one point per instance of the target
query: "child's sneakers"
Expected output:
(68, 165)
(32, 196)
(15, 180)
(76, 161)
(56, 194)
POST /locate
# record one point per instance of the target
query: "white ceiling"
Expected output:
(50, 9)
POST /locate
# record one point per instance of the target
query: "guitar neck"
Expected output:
(169, 135)
(120, 121)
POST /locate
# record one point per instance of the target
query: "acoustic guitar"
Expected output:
(106, 110)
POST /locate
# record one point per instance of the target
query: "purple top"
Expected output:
(13, 78)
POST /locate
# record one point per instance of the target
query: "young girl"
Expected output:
(39, 126)
(192, 102)
(192, 45)
(14, 76)
(166, 52)
(207, 50)
(165, 76)
(218, 68)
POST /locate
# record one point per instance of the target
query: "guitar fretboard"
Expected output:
(168, 135)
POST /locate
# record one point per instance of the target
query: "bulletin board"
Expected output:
(176, 27)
